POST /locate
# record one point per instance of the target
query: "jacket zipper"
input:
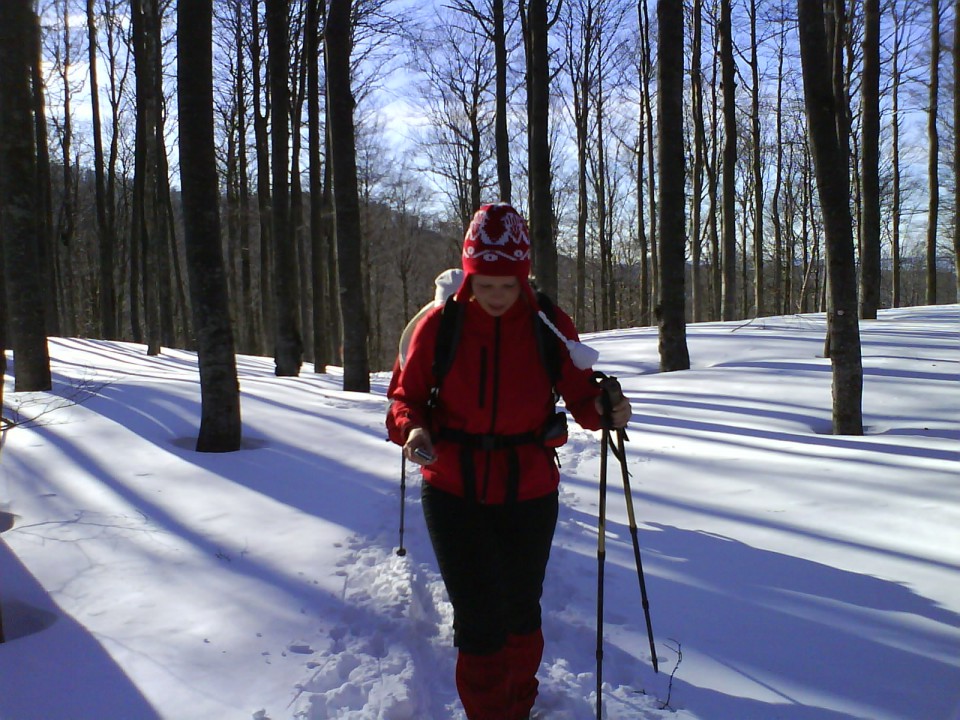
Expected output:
(482, 385)
(493, 402)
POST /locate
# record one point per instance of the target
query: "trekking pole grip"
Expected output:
(610, 396)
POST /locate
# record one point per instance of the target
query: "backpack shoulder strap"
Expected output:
(448, 337)
(548, 345)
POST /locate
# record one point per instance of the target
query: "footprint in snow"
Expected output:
(381, 655)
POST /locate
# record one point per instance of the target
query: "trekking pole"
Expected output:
(610, 396)
(631, 516)
(401, 551)
(601, 557)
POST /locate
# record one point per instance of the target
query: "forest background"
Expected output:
(425, 84)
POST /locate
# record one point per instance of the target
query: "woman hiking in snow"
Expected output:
(485, 432)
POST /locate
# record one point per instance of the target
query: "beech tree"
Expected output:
(490, 16)
(220, 428)
(778, 226)
(956, 146)
(47, 254)
(288, 342)
(233, 80)
(580, 39)
(501, 130)
(933, 156)
(18, 206)
(870, 164)
(63, 252)
(673, 232)
(699, 149)
(343, 157)
(101, 193)
(318, 235)
(455, 61)
(106, 300)
(758, 237)
(536, 27)
(825, 107)
(261, 113)
(649, 271)
(146, 221)
(728, 259)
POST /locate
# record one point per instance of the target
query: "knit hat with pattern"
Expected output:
(497, 243)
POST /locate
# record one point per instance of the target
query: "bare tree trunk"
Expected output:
(474, 149)
(249, 313)
(713, 185)
(826, 127)
(581, 77)
(335, 312)
(544, 248)
(261, 110)
(870, 164)
(116, 91)
(231, 183)
(172, 286)
(805, 211)
(220, 426)
(146, 29)
(18, 200)
(288, 344)
(605, 241)
(356, 374)
(646, 65)
(781, 299)
(501, 131)
(744, 284)
(699, 142)
(933, 211)
(65, 246)
(321, 345)
(729, 244)
(642, 244)
(673, 238)
(299, 70)
(3, 326)
(895, 157)
(46, 249)
(106, 301)
(956, 146)
(249, 309)
(757, 170)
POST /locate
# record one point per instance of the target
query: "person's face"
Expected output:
(495, 294)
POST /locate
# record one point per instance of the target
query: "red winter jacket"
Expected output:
(496, 385)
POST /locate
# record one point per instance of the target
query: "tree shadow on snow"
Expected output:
(766, 634)
(356, 502)
(50, 665)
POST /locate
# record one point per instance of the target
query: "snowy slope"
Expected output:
(792, 574)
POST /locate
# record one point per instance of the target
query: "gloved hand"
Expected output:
(612, 404)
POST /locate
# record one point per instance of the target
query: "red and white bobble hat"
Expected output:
(497, 243)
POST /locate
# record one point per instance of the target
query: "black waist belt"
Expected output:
(474, 441)
(479, 441)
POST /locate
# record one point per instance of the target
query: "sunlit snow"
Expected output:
(792, 574)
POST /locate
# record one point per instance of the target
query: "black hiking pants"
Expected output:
(493, 559)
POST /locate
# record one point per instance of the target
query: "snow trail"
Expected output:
(389, 655)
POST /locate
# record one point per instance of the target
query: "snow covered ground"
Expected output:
(792, 574)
